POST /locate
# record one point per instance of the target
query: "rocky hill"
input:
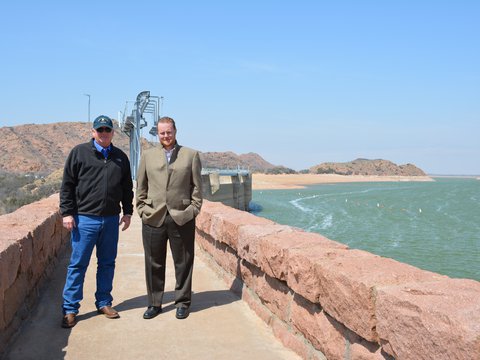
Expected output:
(42, 149)
(230, 160)
(367, 167)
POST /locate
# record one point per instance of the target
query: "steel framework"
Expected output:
(133, 124)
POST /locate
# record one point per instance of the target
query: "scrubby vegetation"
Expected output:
(18, 190)
(329, 170)
(280, 170)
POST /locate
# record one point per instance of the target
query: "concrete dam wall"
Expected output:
(232, 188)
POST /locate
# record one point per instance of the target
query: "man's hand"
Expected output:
(68, 222)
(126, 221)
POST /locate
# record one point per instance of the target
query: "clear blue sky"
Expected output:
(298, 82)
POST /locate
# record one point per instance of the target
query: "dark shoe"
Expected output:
(109, 312)
(182, 313)
(69, 321)
(152, 311)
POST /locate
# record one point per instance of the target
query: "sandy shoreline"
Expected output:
(297, 181)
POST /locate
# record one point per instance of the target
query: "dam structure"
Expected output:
(132, 125)
(230, 187)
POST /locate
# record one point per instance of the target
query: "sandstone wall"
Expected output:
(325, 300)
(322, 299)
(30, 241)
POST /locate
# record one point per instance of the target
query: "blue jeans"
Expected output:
(91, 231)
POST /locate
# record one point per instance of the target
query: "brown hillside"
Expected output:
(256, 161)
(377, 167)
(230, 160)
(43, 148)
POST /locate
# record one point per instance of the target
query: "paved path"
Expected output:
(220, 325)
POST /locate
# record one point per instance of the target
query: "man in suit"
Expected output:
(168, 198)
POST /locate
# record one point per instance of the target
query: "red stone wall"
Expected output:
(30, 241)
(323, 299)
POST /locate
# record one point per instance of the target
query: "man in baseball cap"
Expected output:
(96, 188)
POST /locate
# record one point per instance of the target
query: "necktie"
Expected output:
(105, 153)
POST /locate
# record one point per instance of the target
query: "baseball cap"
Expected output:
(102, 121)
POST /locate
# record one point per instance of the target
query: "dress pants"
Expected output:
(182, 245)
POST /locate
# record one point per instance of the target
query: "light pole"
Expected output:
(88, 106)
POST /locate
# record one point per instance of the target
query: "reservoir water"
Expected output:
(432, 225)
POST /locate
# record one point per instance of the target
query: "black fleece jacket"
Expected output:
(93, 185)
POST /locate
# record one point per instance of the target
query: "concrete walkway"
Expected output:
(220, 325)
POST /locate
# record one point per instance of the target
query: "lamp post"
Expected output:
(88, 106)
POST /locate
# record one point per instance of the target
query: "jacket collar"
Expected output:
(176, 149)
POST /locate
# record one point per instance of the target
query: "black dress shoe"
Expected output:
(182, 313)
(152, 311)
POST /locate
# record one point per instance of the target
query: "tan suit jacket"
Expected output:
(176, 187)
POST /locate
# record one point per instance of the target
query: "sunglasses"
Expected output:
(102, 129)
